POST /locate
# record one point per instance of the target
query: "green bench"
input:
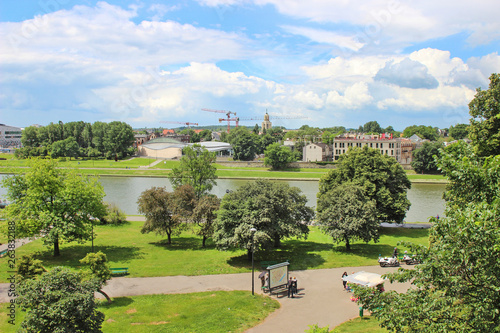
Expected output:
(119, 271)
(3, 252)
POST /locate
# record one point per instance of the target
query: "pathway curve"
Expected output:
(321, 299)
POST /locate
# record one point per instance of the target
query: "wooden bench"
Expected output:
(119, 271)
(3, 252)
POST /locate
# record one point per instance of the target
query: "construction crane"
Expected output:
(178, 122)
(228, 119)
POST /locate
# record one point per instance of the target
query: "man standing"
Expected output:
(290, 287)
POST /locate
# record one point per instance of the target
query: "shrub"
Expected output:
(114, 215)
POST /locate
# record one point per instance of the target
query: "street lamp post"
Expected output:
(253, 230)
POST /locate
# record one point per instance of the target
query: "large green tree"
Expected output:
(53, 203)
(166, 211)
(59, 302)
(423, 158)
(196, 169)
(459, 131)
(372, 127)
(456, 288)
(245, 144)
(346, 213)
(424, 132)
(118, 140)
(278, 156)
(275, 209)
(381, 176)
(484, 129)
(204, 214)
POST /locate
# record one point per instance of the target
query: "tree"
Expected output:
(118, 140)
(196, 169)
(423, 158)
(484, 129)
(278, 156)
(265, 141)
(381, 176)
(65, 148)
(276, 210)
(372, 127)
(345, 213)
(244, 143)
(57, 204)
(163, 211)
(204, 214)
(298, 149)
(459, 131)
(98, 270)
(59, 301)
(455, 288)
(425, 132)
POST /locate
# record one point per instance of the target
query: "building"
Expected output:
(399, 148)
(266, 124)
(169, 148)
(10, 136)
(315, 152)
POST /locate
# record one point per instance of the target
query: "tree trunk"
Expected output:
(57, 253)
(347, 245)
(203, 242)
(277, 242)
(105, 295)
(169, 239)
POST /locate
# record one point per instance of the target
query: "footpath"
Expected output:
(321, 299)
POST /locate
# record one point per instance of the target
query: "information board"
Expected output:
(278, 275)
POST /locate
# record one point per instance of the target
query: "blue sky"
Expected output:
(322, 63)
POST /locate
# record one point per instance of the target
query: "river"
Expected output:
(426, 199)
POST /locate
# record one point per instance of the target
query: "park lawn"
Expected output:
(365, 324)
(86, 163)
(219, 311)
(147, 255)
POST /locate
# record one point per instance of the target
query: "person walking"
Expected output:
(344, 282)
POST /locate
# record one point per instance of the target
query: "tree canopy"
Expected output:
(425, 132)
(204, 214)
(459, 131)
(245, 144)
(456, 287)
(423, 158)
(59, 301)
(276, 210)
(166, 211)
(484, 129)
(57, 204)
(382, 178)
(345, 213)
(196, 169)
(278, 156)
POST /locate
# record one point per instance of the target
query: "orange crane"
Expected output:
(228, 119)
(178, 122)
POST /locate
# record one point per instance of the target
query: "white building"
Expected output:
(315, 152)
(167, 148)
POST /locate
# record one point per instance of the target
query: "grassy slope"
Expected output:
(365, 324)
(219, 311)
(149, 255)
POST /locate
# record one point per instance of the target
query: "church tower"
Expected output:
(266, 124)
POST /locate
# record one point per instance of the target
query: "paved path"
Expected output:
(321, 299)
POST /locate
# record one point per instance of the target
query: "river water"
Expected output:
(426, 199)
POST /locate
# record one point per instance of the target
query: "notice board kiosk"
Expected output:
(278, 277)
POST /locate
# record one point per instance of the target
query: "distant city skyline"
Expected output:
(336, 62)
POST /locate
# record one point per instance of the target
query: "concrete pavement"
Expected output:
(321, 299)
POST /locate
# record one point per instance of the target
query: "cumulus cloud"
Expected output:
(407, 73)
(327, 37)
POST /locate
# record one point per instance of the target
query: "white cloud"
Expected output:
(327, 37)
(354, 97)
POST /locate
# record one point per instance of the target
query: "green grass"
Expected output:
(84, 163)
(365, 324)
(149, 255)
(219, 311)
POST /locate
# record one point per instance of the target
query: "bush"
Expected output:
(114, 215)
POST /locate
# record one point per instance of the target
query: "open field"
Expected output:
(137, 167)
(149, 255)
(219, 311)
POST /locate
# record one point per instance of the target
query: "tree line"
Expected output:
(112, 140)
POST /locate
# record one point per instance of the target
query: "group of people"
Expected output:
(292, 286)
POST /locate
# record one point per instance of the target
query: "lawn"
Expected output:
(219, 311)
(149, 255)
(365, 324)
